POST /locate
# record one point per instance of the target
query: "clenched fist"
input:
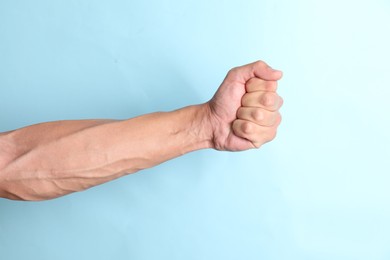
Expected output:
(244, 112)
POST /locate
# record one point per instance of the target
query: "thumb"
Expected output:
(258, 69)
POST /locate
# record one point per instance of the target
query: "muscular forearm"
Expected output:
(49, 160)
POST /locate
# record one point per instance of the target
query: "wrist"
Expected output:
(198, 126)
(205, 125)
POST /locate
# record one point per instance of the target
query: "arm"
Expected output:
(53, 159)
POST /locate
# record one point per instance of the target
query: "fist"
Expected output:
(244, 112)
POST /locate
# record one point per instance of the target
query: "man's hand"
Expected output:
(244, 111)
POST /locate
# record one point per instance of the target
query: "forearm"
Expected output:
(53, 159)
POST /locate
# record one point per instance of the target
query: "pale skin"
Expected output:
(50, 160)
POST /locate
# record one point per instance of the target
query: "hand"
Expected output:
(244, 110)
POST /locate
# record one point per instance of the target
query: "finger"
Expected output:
(267, 100)
(258, 69)
(258, 116)
(254, 133)
(256, 84)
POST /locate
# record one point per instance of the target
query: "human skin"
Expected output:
(49, 160)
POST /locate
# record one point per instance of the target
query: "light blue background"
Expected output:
(319, 191)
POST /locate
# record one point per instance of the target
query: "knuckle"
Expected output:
(232, 72)
(246, 128)
(268, 99)
(260, 64)
(257, 115)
